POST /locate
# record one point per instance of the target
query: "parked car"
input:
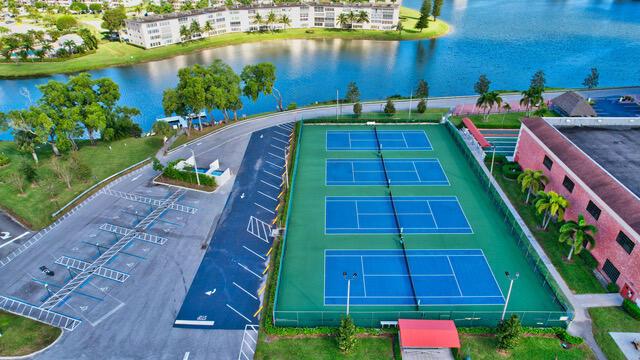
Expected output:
(45, 270)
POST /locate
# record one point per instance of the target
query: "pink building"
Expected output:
(595, 164)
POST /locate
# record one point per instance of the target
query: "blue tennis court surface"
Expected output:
(440, 277)
(374, 215)
(366, 140)
(371, 172)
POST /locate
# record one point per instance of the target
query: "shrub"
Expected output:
(29, 171)
(4, 160)
(292, 106)
(588, 259)
(422, 106)
(563, 335)
(631, 308)
(508, 332)
(186, 176)
(157, 165)
(390, 108)
(346, 335)
(613, 288)
(357, 109)
(66, 22)
(96, 8)
(511, 170)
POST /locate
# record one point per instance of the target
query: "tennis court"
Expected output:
(372, 172)
(440, 277)
(375, 215)
(409, 140)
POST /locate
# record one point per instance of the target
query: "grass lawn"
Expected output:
(22, 336)
(606, 319)
(530, 347)
(498, 121)
(40, 201)
(116, 53)
(431, 115)
(577, 273)
(317, 348)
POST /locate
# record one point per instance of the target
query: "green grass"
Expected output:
(432, 115)
(498, 121)
(578, 273)
(116, 53)
(301, 284)
(39, 201)
(608, 319)
(318, 348)
(530, 347)
(22, 336)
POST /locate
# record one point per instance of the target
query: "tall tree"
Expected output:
(538, 81)
(31, 127)
(577, 234)
(532, 181)
(592, 80)
(222, 86)
(551, 205)
(482, 85)
(425, 13)
(353, 93)
(188, 98)
(113, 19)
(437, 8)
(260, 79)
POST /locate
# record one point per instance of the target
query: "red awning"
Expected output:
(428, 334)
(475, 132)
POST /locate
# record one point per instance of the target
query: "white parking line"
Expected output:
(238, 312)
(282, 141)
(273, 164)
(279, 157)
(186, 356)
(264, 208)
(249, 270)
(241, 288)
(273, 186)
(281, 134)
(272, 174)
(279, 148)
(268, 196)
(14, 239)
(254, 253)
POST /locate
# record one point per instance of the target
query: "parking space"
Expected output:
(12, 234)
(612, 106)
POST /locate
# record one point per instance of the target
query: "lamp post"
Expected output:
(349, 278)
(195, 166)
(511, 280)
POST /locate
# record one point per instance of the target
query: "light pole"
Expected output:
(511, 280)
(195, 166)
(337, 103)
(410, 100)
(349, 278)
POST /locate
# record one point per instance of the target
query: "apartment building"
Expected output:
(110, 3)
(159, 30)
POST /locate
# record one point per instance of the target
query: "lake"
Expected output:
(506, 39)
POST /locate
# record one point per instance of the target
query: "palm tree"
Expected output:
(506, 108)
(363, 17)
(577, 234)
(541, 110)
(47, 47)
(399, 27)
(194, 28)
(343, 20)
(531, 97)
(40, 54)
(208, 27)
(285, 21)
(532, 181)
(69, 45)
(352, 18)
(257, 20)
(184, 32)
(271, 19)
(487, 100)
(551, 204)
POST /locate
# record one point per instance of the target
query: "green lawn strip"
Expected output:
(498, 121)
(431, 115)
(35, 207)
(483, 347)
(22, 336)
(578, 274)
(323, 347)
(116, 53)
(608, 319)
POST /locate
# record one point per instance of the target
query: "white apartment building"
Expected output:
(110, 3)
(159, 30)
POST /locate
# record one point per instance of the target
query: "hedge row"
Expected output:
(186, 176)
(631, 308)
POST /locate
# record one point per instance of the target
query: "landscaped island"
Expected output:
(118, 54)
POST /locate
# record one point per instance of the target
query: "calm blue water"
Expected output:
(506, 39)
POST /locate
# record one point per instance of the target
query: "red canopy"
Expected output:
(428, 334)
(475, 132)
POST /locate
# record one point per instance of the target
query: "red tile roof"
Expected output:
(428, 334)
(614, 194)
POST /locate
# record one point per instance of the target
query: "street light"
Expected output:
(349, 278)
(511, 280)
(195, 166)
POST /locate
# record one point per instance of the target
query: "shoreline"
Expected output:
(113, 54)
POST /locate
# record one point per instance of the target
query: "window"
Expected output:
(626, 243)
(593, 210)
(568, 184)
(547, 162)
(611, 271)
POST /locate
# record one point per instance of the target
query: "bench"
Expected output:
(384, 324)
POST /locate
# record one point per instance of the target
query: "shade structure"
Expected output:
(428, 334)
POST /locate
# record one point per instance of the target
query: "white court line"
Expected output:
(272, 174)
(254, 253)
(270, 197)
(264, 208)
(249, 270)
(364, 283)
(241, 288)
(279, 157)
(238, 312)
(14, 239)
(275, 165)
(273, 186)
